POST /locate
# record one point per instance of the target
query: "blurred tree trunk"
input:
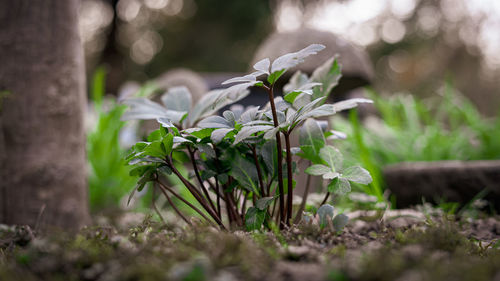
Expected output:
(42, 142)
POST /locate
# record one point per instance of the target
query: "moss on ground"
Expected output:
(445, 249)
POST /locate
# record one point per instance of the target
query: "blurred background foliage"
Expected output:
(413, 45)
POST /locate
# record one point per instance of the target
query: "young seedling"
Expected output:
(240, 174)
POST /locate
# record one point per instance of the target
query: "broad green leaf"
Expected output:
(177, 98)
(264, 202)
(230, 117)
(204, 106)
(155, 149)
(297, 80)
(165, 122)
(330, 175)
(181, 140)
(332, 156)
(200, 133)
(246, 79)
(350, 103)
(139, 170)
(270, 134)
(263, 66)
(308, 152)
(270, 156)
(292, 59)
(323, 110)
(211, 102)
(311, 134)
(168, 142)
(215, 122)
(154, 136)
(248, 131)
(219, 134)
(139, 146)
(325, 213)
(207, 149)
(357, 174)
(339, 185)
(249, 115)
(165, 170)
(273, 77)
(340, 221)
(245, 173)
(254, 218)
(235, 90)
(317, 170)
(306, 108)
(328, 74)
(290, 97)
(144, 109)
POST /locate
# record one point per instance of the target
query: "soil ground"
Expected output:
(401, 245)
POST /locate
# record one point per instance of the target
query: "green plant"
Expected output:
(237, 158)
(445, 127)
(109, 179)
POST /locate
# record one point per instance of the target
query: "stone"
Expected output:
(452, 181)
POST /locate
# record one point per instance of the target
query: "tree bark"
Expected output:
(42, 140)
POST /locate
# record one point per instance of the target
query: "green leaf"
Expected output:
(309, 153)
(350, 103)
(262, 66)
(245, 173)
(290, 97)
(165, 170)
(248, 131)
(211, 102)
(325, 213)
(339, 186)
(270, 156)
(246, 79)
(139, 146)
(328, 74)
(219, 134)
(154, 136)
(311, 134)
(264, 202)
(297, 80)
(207, 149)
(332, 156)
(290, 60)
(215, 122)
(321, 111)
(155, 149)
(357, 174)
(177, 98)
(139, 171)
(201, 134)
(254, 218)
(317, 170)
(168, 142)
(144, 109)
(275, 76)
(340, 221)
(330, 175)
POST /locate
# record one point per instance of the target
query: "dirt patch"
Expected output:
(396, 245)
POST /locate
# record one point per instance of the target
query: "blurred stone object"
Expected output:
(451, 181)
(183, 77)
(357, 70)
